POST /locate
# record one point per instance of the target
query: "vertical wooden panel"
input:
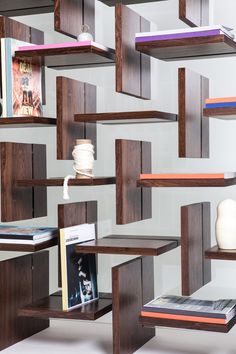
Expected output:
(90, 106)
(145, 64)
(147, 279)
(25, 7)
(127, 300)
(73, 97)
(39, 172)
(206, 239)
(195, 238)
(194, 12)
(132, 73)
(193, 89)
(16, 163)
(205, 122)
(70, 15)
(16, 290)
(132, 203)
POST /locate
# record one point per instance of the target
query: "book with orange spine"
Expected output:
(187, 175)
(220, 100)
(169, 316)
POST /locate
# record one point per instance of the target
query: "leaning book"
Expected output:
(188, 308)
(78, 270)
(21, 82)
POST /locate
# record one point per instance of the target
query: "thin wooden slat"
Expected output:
(128, 295)
(25, 7)
(39, 171)
(194, 12)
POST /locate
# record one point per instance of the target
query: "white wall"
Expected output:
(166, 202)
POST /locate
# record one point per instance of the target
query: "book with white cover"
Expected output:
(78, 270)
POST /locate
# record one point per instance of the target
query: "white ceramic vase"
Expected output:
(226, 224)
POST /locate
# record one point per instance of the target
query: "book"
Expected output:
(188, 175)
(78, 270)
(184, 33)
(220, 105)
(12, 233)
(220, 100)
(21, 82)
(27, 242)
(190, 309)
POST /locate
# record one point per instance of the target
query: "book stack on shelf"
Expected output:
(26, 235)
(220, 102)
(184, 308)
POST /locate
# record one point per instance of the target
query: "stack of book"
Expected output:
(26, 235)
(203, 31)
(184, 308)
(220, 102)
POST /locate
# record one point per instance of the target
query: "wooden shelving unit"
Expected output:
(70, 55)
(25, 7)
(226, 113)
(126, 2)
(127, 117)
(28, 248)
(27, 122)
(217, 253)
(58, 182)
(224, 328)
(51, 307)
(208, 182)
(188, 48)
(130, 245)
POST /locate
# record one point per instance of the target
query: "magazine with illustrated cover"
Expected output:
(21, 82)
(11, 232)
(185, 305)
(78, 270)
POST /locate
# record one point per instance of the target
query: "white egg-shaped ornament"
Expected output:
(85, 36)
(226, 224)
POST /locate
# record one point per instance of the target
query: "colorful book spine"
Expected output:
(183, 318)
(220, 105)
(188, 175)
(220, 100)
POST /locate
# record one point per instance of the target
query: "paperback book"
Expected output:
(21, 82)
(26, 235)
(78, 270)
(167, 176)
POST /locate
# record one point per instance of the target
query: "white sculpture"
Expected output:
(85, 36)
(226, 224)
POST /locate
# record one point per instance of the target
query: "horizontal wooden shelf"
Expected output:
(188, 48)
(126, 2)
(51, 307)
(57, 182)
(70, 55)
(127, 117)
(208, 182)
(27, 122)
(153, 322)
(12, 247)
(217, 253)
(227, 113)
(11, 8)
(130, 245)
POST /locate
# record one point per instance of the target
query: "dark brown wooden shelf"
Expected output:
(27, 122)
(71, 55)
(208, 182)
(217, 253)
(227, 113)
(126, 2)
(224, 328)
(57, 182)
(188, 48)
(51, 307)
(132, 245)
(126, 117)
(11, 8)
(28, 248)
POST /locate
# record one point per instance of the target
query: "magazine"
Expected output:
(21, 82)
(12, 233)
(78, 270)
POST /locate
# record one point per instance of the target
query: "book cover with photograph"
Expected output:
(12, 232)
(78, 270)
(21, 82)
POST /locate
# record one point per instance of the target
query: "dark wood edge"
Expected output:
(124, 116)
(216, 253)
(143, 237)
(57, 182)
(217, 112)
(186, 182)
(28, 248)
(28, 120)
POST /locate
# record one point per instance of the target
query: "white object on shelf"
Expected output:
(85, 35)
(226, 224)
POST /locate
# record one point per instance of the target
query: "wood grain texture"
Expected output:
(17, 284)
(11, 247)
(189, 48)
(51, 307)
(194, 12)
(150, 322)
(130, 200)
(19, 162)
(132, 69)
(208, 182)
(195, 236)
(112, 245)
(70, 15)
(217, 253)
(227, 113)
(193, 90)
(25, 7)
(57, 182)
(128, 296)
(27, 122)
(73, 97)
